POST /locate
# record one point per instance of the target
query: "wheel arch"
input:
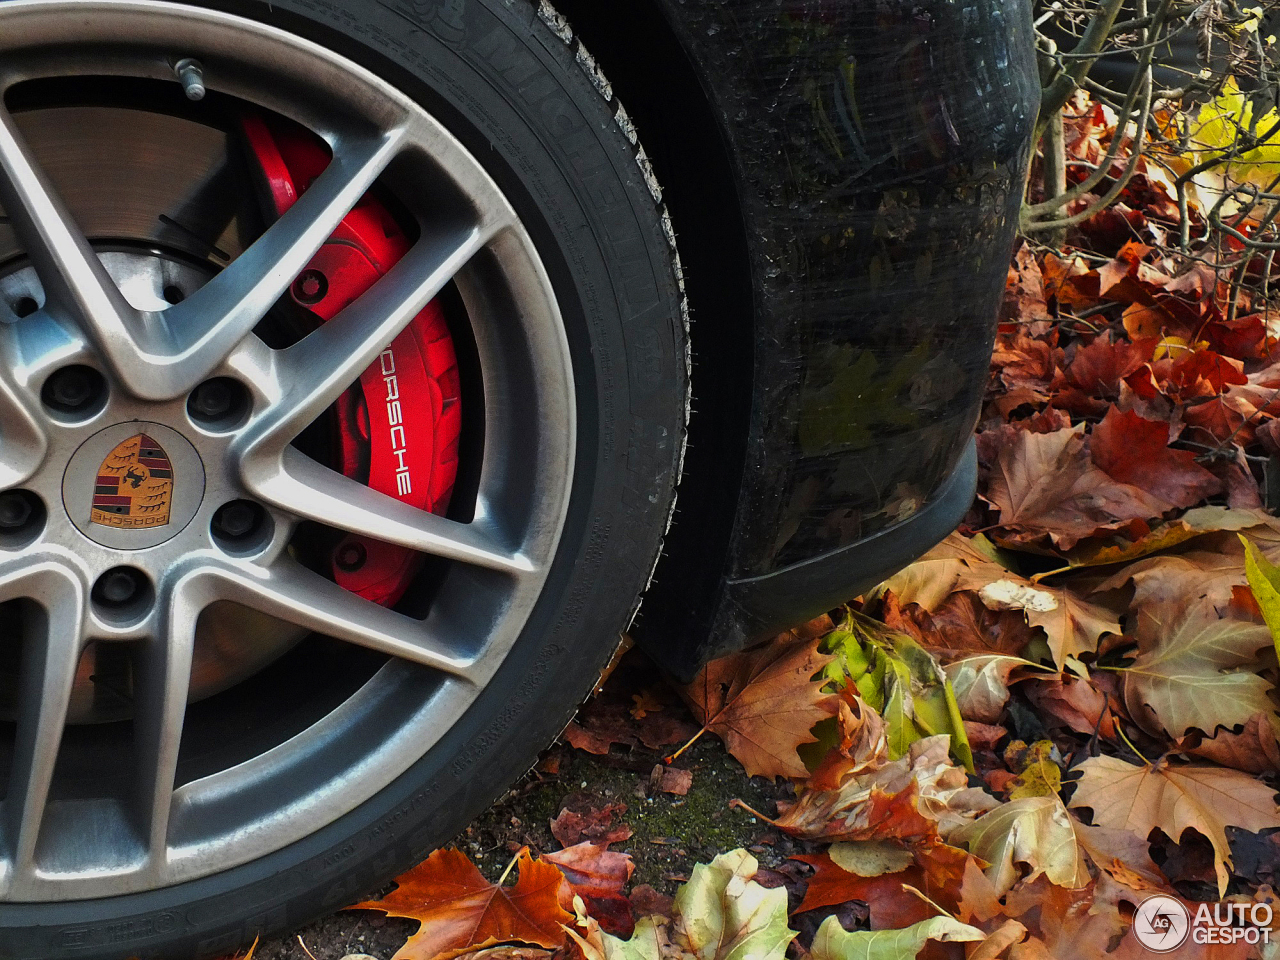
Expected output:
(658, 82)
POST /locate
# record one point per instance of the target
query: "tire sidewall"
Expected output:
(510, 89)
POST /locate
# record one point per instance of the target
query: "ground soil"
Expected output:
(670, 833)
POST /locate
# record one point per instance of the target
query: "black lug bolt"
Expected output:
(15, 510)
(73, 389)
(350, 556)
(310, 287)
(213, 398)
(117, 587)
(237, 519)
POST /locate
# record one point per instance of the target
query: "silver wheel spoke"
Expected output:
(293, 593)
(73, 277)
(206, 327)
(160, 698)
(311, 491)
(47, 676)
(316, 370)
(23, 441)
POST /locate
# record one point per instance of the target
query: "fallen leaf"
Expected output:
(460, 911)
(1253, 749)
(833, 942)
(673, 780)
(914, 797)
(1188, 669)
(597, 875)
(871, 858)
(1039, 776)
(763, 703)
(1134, 450)
(1034, 831)
(722, 913)
(1046, 484)
(982, 683)
(1175, 798)
(584, 816)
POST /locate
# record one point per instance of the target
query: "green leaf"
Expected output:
(725, 915)
(1264, 581)
(833, 942)
(901, 681)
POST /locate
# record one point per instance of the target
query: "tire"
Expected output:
(506, 80)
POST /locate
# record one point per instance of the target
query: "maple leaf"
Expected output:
(459, 910)
(865, 871)
(914, 797)
(833, 942)
(1175, 798)
(1186, 672)
(1193, 523)
(763, 703)
(1071, 623)
(1134, 450)
(1255, 749)
(1046, 483)
(598, 875)
(982, 683)
(1035, 831)
(956, 563)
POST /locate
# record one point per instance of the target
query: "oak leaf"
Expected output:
(461, 911)
(1175, 798)
(763, 703)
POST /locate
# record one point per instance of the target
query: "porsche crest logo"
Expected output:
(134, 487)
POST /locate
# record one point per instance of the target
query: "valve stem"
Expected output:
(191, 76)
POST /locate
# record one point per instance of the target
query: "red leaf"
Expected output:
(1134, 450)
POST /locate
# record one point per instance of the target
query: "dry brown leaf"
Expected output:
(1046, 484)
(762, 703)
(1175, 798)
(461, 911)
(1254, 749)
(918, 796)
(1188, 669)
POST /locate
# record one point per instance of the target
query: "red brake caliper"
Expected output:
(400, 427)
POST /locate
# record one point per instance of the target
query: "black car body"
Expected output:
(844, 180)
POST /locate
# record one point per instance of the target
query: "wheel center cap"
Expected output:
(133, 485)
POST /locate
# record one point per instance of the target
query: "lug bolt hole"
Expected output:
(219, 404)
(22, 515)
(76, 391)
(173, 294)
(24, 307)
(123, 595)
(241, 527)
